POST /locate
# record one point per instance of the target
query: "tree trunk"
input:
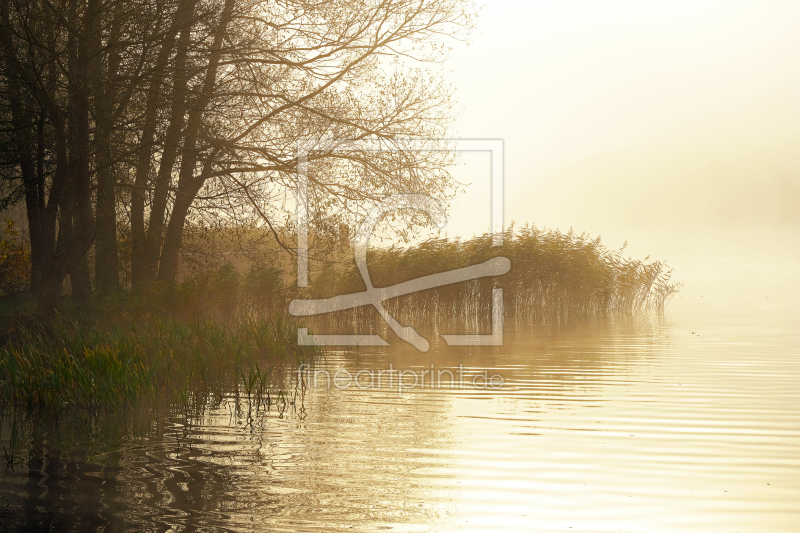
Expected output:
(25, 146)
(188, 184)
(79, 209)
(80, 280)
(34, 206)
(106, 254)
(170, 254)
(169, 155)
(68, 196)
(139, 270)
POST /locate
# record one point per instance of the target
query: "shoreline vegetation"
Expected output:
(224, 332)
(61, 366)
(555, 277)
(145, 130)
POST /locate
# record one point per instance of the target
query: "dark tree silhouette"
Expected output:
(144, 116)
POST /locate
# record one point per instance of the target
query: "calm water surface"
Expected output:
(684, 422)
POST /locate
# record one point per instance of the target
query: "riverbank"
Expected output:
(226, 331)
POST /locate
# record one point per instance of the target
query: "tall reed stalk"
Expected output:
(554, 277)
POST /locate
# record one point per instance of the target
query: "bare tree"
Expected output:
(72, 74)
(159, 113)
(274, 74)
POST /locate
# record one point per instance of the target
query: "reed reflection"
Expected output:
(371, 457)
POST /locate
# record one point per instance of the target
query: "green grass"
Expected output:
(65, 365)
(175, 346)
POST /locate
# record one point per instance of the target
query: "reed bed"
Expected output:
(554, 277)
(147, 361)
(218, 295)
(227, 332)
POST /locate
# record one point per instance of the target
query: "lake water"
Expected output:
(688, 421)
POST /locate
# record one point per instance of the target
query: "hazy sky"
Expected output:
(636, 120)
